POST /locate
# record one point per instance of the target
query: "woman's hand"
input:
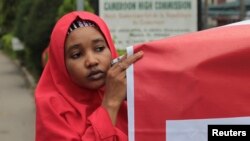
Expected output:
(115, 85)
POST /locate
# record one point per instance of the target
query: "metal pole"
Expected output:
(79, 5)
(242, 9)
(200, 26)
(205, 24)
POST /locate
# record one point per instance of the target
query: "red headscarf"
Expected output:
(65, 111)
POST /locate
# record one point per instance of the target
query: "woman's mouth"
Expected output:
(95, 75)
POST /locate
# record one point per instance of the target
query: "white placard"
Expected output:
(136, 21)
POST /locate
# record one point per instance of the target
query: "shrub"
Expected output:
(7, 46)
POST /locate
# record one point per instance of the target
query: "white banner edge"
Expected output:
(130, 96)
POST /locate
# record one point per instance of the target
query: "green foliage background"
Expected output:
(32, 22)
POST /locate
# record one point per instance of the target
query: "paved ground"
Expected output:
(17, 110)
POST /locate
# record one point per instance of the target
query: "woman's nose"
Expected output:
(91, 60)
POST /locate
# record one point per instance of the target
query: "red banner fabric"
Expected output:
(200, 75)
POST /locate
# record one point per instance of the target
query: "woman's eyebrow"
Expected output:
(71, 47)
(97, 40)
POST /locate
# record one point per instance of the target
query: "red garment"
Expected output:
(45, 56)
(66, 112)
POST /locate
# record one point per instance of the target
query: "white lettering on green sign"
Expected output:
(172, 5)
(148, 5)
(119, 5)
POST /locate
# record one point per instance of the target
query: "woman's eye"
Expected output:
(75, 55)
(99, 49)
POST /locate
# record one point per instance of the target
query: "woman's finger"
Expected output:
(131, 59)
(121, 66)
(125, 61)
(118, 59)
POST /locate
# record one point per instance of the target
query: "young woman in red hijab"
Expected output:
(80, 97)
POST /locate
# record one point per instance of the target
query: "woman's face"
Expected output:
(87, 57)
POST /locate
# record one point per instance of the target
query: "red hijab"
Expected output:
(66, 111)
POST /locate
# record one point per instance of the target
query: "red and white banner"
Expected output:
(186, 82)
